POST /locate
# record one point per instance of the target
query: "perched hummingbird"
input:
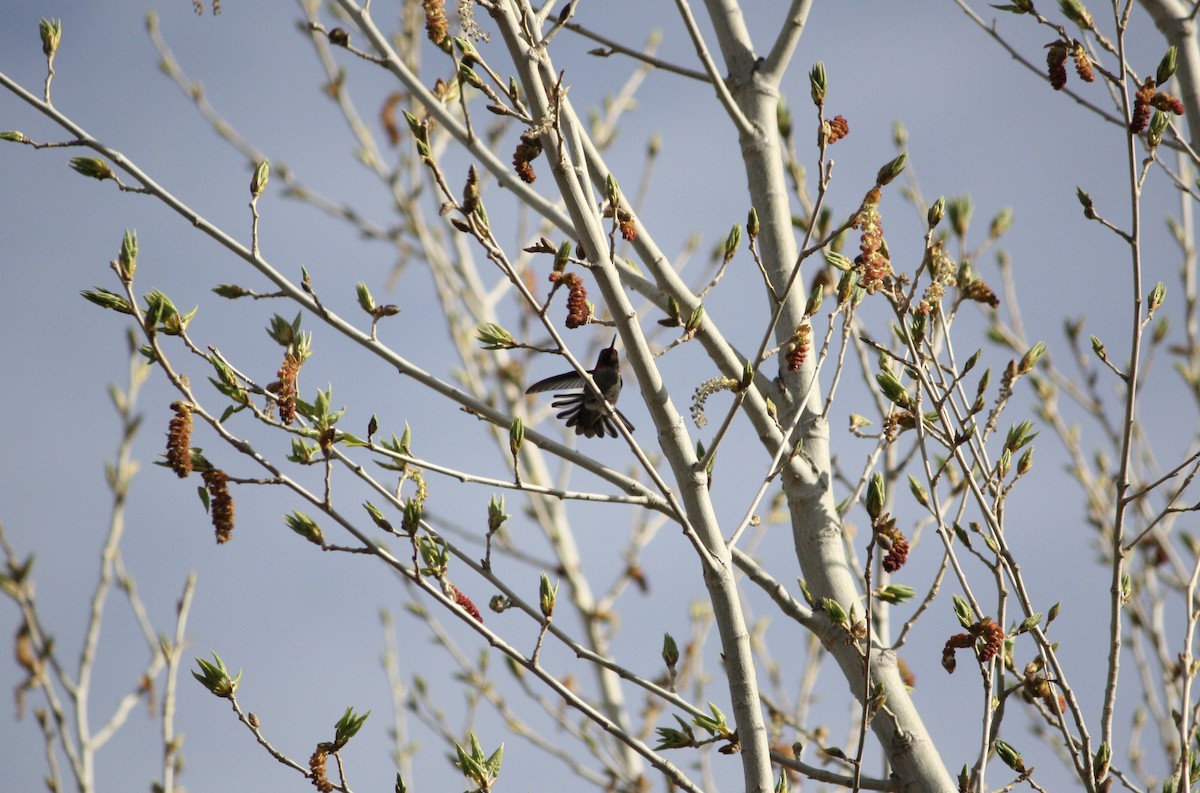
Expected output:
(585, 410)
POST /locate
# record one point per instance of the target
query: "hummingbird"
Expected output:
(585, 410)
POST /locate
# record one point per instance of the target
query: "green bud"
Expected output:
(215, 677)
(783, 119)
(366, 301)
(411, 517)
(876, 495)
(231, 291)
(494, 337)
(1001, 223)
(936, 212)
(1031, 357)
(1166, 67)
(891, 388)
(563, 257)
(814, 301)
(846, 287)
(1019, 435)
(960, 209)
(347, 727)
(839, 261)
(919, 326)
(753, 227)
(890, 171)
(13, 136)
(496, 515)
(467, 75)
(262, 175)
(1158, 127)
(1077, 13)
(816, 83)
(918, 491)
(612, 191)
(747, 376)
(1029, 623)
(106, 299)
(547, 596)
(1025, 463)
(305, 526)
(377, 516)
(93, 167)
(670, 651)
(1104, 753)
(516, 436)
(731, 243)
(127, 258)
(834, 611)
(962, 610)
(1010, 756)
(895, 593)
(1085, 200)
(51, 33)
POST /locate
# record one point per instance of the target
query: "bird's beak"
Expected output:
(613, 346)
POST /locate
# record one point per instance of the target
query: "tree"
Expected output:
(509, 215)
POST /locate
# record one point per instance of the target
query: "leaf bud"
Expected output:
(1166, 67)
(890, 171)
(127, 258)
(258, 183)
(731, 243)
(516, 436)
(936, 212)
(876, 495)
(547, 596)
(93, 167)
(670, 651)
(816, 83)
(51, 33)
(753, 227)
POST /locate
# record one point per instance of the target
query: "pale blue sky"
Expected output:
(304, 625)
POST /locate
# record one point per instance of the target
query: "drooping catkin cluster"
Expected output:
(220, 503)
(985, 636)
(578, 310)
(1141, 106)
(285, 394)
(703, 392)
(627, 226)
(872, 263)
(977, 289)
(1056, 64)
(798, 346)
(527, 151)
(436, 25)
(316, 765)
(1057, 53)
(461, 600)
(887, 536)
(834, 130)
(1083, 64)
(179, 440)
(1146, 100)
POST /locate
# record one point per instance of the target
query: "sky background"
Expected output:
(305, 626)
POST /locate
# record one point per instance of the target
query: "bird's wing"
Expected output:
(565, 380)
